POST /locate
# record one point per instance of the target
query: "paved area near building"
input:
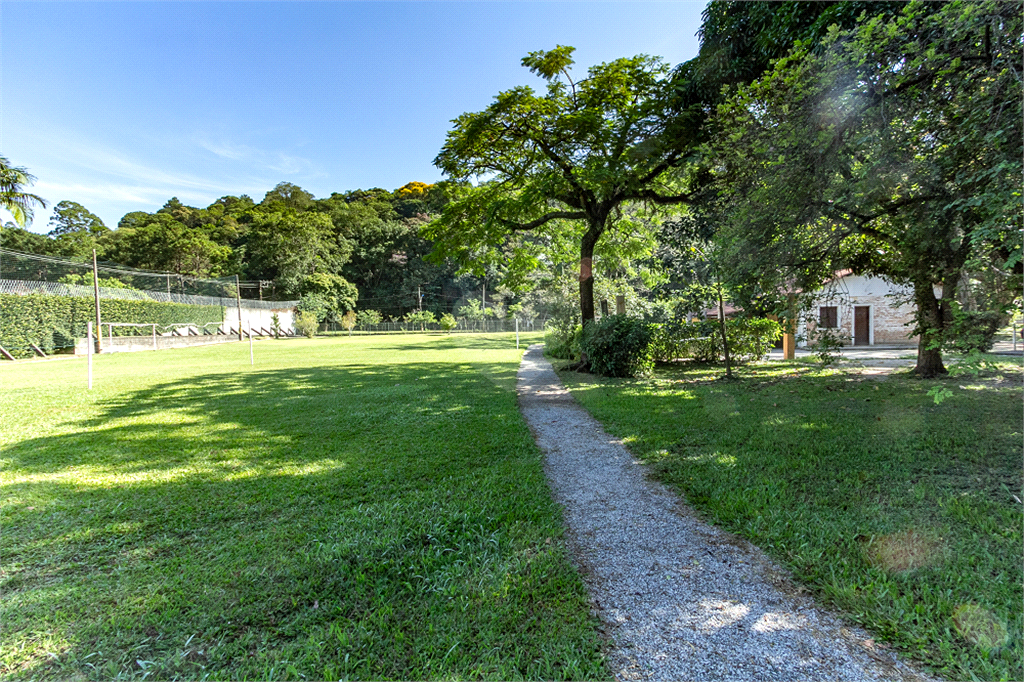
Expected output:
(880, 361)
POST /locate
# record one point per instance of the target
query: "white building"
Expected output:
(863, 310)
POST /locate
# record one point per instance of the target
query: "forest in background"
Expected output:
(289, 241)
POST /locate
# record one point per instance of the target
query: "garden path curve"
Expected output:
(680, 599)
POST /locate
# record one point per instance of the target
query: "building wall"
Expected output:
(258, 317)
(887, 321)
(131, 344)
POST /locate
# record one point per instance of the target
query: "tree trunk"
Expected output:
(587, 272)
(932, 316)
(725, 338)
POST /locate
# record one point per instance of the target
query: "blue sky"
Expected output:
(120, 106)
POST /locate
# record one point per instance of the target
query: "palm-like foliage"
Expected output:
(13, 180)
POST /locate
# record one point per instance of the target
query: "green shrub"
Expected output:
(306, 324)
(618, 346)
(751, 338)
(676, 340)
(368, 317)
(348, 321)
(52, 322)
(971, 331)
(318, 305)
(701, 340)
(420, 317)
(561, 340)
(448, 322)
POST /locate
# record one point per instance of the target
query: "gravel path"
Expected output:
(681, 600)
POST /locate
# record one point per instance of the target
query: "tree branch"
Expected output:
(564, 166)
(548, 217)
(659, 169)
(661, 199)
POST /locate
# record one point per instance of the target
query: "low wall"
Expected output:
(129, 344)
(259, 318)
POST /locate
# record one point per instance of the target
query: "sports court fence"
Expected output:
(464, 326)
(46, 303)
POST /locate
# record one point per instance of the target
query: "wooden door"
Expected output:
(861, 325)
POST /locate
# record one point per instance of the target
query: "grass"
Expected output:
(904, 514)
(370, 507)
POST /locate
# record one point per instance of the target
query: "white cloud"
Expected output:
(279, 162)
(112, 192)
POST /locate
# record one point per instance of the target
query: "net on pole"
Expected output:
(46, 301)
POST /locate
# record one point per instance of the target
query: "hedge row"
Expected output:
(621, 346)
(750, 338)
(53, 322)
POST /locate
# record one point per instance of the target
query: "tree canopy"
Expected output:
(564, 162)
(895, 150)
(13, 195)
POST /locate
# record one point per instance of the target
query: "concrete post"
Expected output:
(789, 331)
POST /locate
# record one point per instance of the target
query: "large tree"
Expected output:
(896, 151)
(287, 247)
(568, 159)
(70, 216)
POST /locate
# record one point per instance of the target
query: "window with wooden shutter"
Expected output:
(828, 317)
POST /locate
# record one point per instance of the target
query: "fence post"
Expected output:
(154, 337)
(789, 329)
(88, 351)
(96, 296)
(238, 307)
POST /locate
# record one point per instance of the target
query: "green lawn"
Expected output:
(898, 511)
(371, 507)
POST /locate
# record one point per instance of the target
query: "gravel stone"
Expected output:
(680, 599)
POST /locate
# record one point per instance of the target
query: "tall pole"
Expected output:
(419, 297)
(721, 322)
(238, 307)
(96, 296)
(517, 333)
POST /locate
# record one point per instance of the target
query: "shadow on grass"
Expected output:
(364, 521)
(433, 341)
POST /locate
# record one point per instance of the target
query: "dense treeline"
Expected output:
(291, 241)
